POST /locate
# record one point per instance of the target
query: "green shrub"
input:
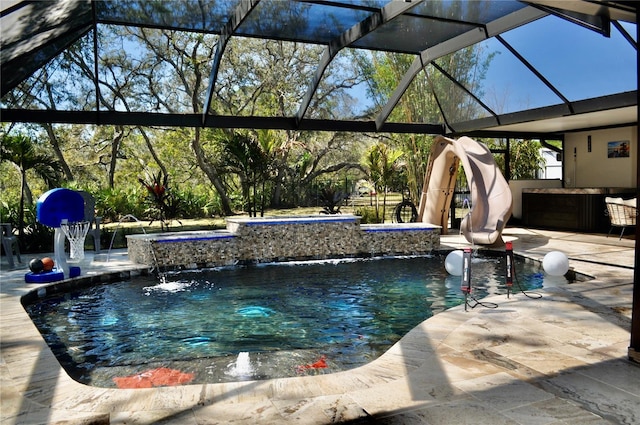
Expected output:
(36, 237)
(9, 212)
(113, 204)
(197, 203)
(368, 215)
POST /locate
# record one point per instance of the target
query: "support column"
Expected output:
(634, 345)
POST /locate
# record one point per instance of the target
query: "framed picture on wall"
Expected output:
(618, 149)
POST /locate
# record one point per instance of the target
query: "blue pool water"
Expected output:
(281, 316)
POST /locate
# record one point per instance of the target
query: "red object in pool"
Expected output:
(159, 377)
(320, 364)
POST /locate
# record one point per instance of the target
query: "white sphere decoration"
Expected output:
(453, 263)
(555, 263)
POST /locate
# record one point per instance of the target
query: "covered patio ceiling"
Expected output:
(34, 33)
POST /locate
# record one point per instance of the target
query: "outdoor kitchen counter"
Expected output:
(579, 209)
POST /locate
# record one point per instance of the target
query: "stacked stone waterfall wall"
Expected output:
(259, 240)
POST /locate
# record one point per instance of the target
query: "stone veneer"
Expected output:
(257, 240)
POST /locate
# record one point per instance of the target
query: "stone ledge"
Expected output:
(257, 240)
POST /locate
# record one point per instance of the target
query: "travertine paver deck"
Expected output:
(560, 359)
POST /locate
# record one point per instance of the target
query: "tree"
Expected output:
(68, 81)
(383, 163)
(41, 90)
(24, 154)
(142, 69)
(245, 157)
(430, 98)
(526, 159)
(270, 78)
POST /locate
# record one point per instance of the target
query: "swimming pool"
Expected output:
(256, 322)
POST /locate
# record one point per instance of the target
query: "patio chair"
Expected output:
(622, 213)
(90, 216)
(10, 244)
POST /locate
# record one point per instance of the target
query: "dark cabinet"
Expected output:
(569, 209)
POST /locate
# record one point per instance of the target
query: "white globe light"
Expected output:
(453, 263)
(555, 263)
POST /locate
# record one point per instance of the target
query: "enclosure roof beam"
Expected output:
(613, 103)
(242, 11)
(537, 73)
(452, 45)
(33, 33)
(211, 121)
(386, 14)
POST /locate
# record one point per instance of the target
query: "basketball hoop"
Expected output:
(76, 232)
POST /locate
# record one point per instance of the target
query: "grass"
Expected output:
(352, 206)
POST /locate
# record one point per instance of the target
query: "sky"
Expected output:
(579, 62)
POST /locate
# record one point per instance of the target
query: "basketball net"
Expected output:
(76, 232)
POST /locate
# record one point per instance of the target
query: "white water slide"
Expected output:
(491, 200)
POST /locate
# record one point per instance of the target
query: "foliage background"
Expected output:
(218, 172)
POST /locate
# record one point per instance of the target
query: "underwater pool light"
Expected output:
(255, 311)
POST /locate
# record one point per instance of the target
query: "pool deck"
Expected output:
(560, 359)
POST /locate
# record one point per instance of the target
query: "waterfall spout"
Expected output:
(241, 367)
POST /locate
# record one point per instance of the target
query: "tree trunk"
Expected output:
(277, 188)
(53, 140)
(262, 198)
(152, 151)
(384, 203)
(115, 147)
(23, 184)
(211, 173)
